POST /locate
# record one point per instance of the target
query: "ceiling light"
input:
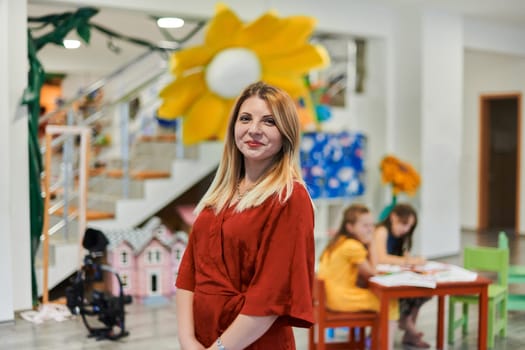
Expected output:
(168, 45)
(170, 22)
(71, 44)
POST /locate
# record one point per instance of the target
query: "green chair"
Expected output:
(488, 260)
(516, 301)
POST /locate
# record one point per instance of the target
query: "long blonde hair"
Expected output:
(279, 177)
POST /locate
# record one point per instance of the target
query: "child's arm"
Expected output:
(381, 255)
(366, 270)
(372, 258)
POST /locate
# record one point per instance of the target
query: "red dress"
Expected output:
(258, 262)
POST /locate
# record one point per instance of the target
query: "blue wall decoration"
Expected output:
(333, 164)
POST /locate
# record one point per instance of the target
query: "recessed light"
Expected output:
(71, 44)
(169, 45)
(170, 22)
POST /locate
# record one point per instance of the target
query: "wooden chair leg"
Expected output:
(491, 325)
(361, 341)
(311, 340)
(374, 341)
(320, 338)
(505, 318)
(356, 338)
(352, 341)
(465, 319)
(451, 322)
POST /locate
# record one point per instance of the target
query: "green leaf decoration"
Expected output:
(84, 31)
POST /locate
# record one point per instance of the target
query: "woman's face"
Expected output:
(401, 227)
(363, 227)
(256, 135)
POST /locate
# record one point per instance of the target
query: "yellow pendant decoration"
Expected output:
(209, 77)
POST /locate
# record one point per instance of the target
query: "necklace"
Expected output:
(241, 194)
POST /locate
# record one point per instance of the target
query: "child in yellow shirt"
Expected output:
(346, 265)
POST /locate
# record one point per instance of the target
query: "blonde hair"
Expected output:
(279, 177)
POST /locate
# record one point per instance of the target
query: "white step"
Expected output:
(66, 261)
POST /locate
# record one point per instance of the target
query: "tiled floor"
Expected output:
(154, 327)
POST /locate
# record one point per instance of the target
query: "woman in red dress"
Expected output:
(246, 276)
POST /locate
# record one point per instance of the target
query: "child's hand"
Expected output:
(416, 260)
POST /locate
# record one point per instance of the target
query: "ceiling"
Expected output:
(103, 55)
(503, 11)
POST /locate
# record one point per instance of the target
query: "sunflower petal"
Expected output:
(292, 35)
(291, 84)
(299, 61)
(223, 128)
(222, 28)
(263, 29)
(180, 94)
(203, 119)
(189, 58)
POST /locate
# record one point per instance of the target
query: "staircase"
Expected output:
(151, 194)
(129, 181)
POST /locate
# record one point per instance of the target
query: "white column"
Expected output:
(15, 265)
(441, 133)
(406, 85)
(403, 65)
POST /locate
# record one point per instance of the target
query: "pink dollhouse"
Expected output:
(147, 259)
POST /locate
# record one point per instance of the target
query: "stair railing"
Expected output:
(85, 134)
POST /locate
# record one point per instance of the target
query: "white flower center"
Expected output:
(231, 70)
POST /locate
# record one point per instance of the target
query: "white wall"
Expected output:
(485, 72)
(486, 36)
(15, 292)
(406, 85)
(441, 109)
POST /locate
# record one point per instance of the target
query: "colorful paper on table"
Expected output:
(405, 278)
(426, 275)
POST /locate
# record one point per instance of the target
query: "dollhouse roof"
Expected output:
(137, 238)
(180, 236)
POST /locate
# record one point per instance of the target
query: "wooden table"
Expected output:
(479, 287)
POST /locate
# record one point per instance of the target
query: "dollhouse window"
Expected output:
(154, 256)
(125, 281)
(124, 258)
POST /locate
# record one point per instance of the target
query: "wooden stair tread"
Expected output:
(159, 138)
(135, 174)
(91, 214)
(140, 174)
(97, 171)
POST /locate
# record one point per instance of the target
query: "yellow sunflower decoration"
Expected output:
(209, 77)
(401, 175)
